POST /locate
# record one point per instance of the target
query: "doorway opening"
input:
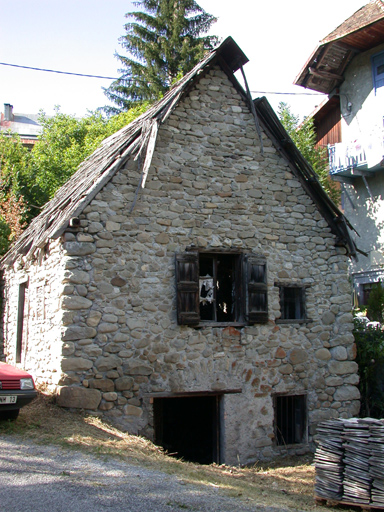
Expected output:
(188, 427)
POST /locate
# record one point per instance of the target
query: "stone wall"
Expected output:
(41, 345)
(208, 185)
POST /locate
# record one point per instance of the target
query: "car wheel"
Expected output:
(9, 415)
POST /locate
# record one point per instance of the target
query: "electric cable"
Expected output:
(114, 78)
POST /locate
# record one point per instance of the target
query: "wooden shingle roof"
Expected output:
(131, 141)
(138, 140)
(362, 31)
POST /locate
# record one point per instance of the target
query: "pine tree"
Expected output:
(163, 42)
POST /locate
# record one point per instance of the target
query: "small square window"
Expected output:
(290, 419)
(292, 302)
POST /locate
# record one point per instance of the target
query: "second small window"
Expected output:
(292, 302)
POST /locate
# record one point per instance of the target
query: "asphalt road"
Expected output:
(45, 478)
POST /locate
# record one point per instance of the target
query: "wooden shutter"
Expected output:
(255, 272)
(187, 283)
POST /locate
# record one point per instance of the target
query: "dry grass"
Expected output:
(288, 483)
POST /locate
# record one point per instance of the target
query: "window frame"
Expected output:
(302, 288)
(248, 292)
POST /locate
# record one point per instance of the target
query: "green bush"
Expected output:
(375, 306)
(370, 358)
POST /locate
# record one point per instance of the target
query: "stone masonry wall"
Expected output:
(208, 185)
(41, 345)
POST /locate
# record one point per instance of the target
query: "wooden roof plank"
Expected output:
(360, 32)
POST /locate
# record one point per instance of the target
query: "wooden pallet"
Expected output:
(334, 503)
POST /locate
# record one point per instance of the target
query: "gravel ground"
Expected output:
(36, 478)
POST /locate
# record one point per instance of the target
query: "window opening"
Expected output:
(217, 287)
(290, 419)
(20, 335)
(189, 427)
(222, 287)
(292, 302)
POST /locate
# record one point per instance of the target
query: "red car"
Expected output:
(16, 390)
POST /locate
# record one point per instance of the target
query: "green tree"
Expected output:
(15, 162)
(66, 141)
(14, 165)
(304, 136)
(28, 179)
(163, 42)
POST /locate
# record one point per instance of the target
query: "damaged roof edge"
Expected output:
(232, 54)
(361, 31)
(339, 224)
(95, 171)
(302, 76)
(92, 174)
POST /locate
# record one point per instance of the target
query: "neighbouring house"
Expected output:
(27, 126)
(348, 65)
(189, 282)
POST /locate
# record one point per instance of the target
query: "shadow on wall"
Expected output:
(367, 216)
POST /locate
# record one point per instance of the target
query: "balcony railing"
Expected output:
(347, 159)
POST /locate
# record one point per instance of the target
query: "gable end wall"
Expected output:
(208, 185)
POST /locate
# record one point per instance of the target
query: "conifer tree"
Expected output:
(163, 42)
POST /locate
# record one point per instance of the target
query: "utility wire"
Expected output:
(61, 72)
(291, 93)
(114, 78)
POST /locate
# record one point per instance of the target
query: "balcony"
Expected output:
(356, 158)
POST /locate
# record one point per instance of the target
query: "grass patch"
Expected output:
(288, 482)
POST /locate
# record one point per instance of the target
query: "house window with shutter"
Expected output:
(292, 302)
(221, 288)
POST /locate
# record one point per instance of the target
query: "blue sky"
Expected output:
(81, 36)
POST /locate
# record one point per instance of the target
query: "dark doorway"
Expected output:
(189, 427)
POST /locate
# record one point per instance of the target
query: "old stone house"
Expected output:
(189, 282)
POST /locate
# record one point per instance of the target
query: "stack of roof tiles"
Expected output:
(349, 461)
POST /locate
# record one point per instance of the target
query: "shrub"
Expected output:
(370, 358)
(375, 306)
